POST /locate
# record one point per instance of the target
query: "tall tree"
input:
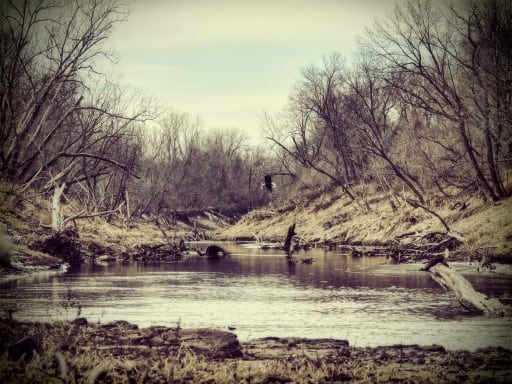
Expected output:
(314, 130)
(377, 116)
(485, 56)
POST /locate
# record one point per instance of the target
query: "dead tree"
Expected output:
(57, 218)
(59, 221)
(289, 238)
(448, 278)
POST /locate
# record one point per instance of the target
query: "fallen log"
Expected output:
(448, 278)
(434, 261)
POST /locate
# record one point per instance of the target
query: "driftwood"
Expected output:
(415, 246)
(448, 278)
(481, 255)
(156, 253)
(289, 237)
(434, 261)
(164, 252)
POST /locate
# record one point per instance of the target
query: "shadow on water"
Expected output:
(260, 294)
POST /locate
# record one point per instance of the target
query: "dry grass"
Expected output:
(490, 226)
(123, 353)
(28, 215)
(380, 218)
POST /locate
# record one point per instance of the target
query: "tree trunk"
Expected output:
(403, 177)
(474, 162)
(433, 213)
(289, 237)
(57, 219)
(128, 214)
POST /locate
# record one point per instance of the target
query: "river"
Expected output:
(257, 293)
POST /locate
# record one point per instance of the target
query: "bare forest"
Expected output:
(423, 110)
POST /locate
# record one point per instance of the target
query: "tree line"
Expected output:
(425, 106)
(66, 124)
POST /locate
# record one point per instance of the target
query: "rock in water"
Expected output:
(215, 252)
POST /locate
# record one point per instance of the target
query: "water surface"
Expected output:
(260, 294)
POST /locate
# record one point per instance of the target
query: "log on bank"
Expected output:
(469, 298)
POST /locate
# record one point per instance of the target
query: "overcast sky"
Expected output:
(228, 61)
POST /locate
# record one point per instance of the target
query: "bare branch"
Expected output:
(98, 157)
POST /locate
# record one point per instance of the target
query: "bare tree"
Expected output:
(420, 47)
(57, 127)
(485, 56)
(313, 130)
(47, 109)
(377, 117)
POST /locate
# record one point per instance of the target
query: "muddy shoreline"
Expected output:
(80, 351)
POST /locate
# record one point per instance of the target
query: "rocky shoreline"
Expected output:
(79, 351)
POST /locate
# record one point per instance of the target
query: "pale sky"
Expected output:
(227, 61)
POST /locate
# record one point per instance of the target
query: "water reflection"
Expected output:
(327, 270)
(260, 294)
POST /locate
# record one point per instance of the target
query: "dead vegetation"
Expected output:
(387, 220)
(30, 242)
(120, 352)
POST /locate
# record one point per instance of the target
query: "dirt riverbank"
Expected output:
(381, 219)
(120, 352)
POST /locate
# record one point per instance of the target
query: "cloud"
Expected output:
(239, 109)
(187, 23)
(227, 61)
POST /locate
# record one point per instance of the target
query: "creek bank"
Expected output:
(328, 220)
(27, 245)
(121, 351)
(25, 249)
(481, 229)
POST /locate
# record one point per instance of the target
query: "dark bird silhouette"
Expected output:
(268, 182)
